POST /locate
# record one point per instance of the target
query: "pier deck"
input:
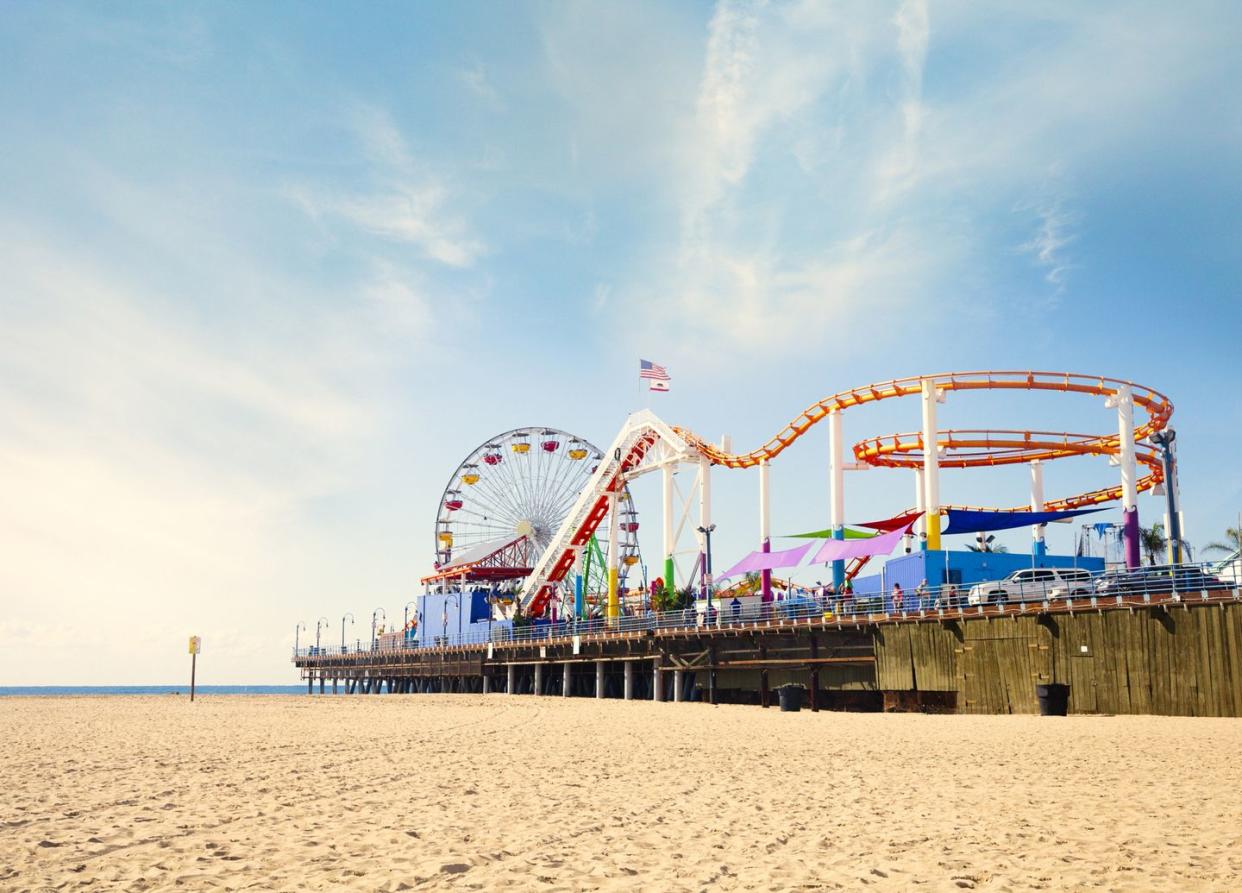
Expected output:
(1118, 655)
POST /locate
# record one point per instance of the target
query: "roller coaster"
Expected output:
(646, 443)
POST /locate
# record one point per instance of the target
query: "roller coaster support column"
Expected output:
(1039, 547)
(705, 528)
(666, 486)
(836, 491)
(1123, 401)
(579, 596)
(921, 525)
(614, 608)
(765, 532)
(931, 464)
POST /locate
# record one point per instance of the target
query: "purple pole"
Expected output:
(766, 575)
(1130, 530)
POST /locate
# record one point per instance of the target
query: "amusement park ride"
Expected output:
(527, 506)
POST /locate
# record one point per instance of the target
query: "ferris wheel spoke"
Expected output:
(521, 480)
(502, 504)
(559, 494)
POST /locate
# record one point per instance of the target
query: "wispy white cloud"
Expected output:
(1055, 231)
(407, 204)
(476, 79)
(817, 158)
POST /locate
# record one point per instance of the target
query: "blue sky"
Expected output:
(272, 270)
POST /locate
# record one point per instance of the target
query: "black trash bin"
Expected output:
(790, 698)
(1053, 699)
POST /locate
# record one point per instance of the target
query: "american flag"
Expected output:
(648, 369)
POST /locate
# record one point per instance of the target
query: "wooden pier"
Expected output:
(1164, 657)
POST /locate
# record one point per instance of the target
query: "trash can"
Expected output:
(790, 698)
(1053, 699)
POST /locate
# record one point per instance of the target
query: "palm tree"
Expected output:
(1152, 541)
(1232, 543)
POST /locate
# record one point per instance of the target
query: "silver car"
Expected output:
(1033, 584)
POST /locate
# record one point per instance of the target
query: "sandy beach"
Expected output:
(427, 792)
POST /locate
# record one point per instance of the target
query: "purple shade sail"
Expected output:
(767, 561)
(841, 550)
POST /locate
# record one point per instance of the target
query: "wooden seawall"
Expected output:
(1176, 658)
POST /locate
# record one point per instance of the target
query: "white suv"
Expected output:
(1033, 584)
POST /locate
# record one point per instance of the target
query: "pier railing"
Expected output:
(1145, 586)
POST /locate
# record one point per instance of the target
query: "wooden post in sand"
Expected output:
(814, 673)
(566, 679)
(711, 674)
(629, 680)
(765, 696)
(538, 679)
(195, 645)
(676, 686)
(657, 680)
(510, 681)
(599, 679)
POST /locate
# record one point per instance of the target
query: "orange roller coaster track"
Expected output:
(975, 448)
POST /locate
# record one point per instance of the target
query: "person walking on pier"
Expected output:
(898, 598)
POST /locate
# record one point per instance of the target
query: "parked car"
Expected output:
(1033, 584)
(1156, 581)
(798, 606)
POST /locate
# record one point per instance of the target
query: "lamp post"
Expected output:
(351, 620)
(444, 616)
(1164, 440)
(707, 561)
(319, 624)
(378, 612)
(301, 625)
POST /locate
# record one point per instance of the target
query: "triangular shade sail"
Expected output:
(826, 534)
(972, 521)
(767, 561)
(842, 550)
(897, 522)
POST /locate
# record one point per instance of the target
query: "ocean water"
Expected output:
(45, 691)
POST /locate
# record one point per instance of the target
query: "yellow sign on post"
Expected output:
(196, 645)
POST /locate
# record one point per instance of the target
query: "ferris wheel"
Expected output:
(523, 483)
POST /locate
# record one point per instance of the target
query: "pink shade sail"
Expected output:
(843, 550)
(767, 561)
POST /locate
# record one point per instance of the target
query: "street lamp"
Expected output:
(319, 624)
(297, 629)
(351, 620)
(444, 615)
(1164, 440)
(380, 613)
(707, 561)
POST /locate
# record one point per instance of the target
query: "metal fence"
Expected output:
(1139, 586)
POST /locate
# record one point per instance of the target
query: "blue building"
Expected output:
(962, 569)
(452, 617)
